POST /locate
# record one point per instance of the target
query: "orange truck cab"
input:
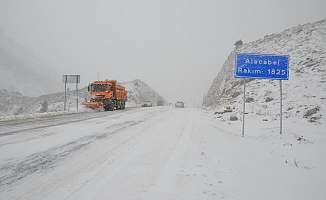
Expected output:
(106, 94)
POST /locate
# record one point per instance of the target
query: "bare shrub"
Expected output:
(233, 118)
(44, 106)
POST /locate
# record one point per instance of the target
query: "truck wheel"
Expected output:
(118, 105)
(111, 107)
(107, 104)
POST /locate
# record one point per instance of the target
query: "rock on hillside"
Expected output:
(304, 94)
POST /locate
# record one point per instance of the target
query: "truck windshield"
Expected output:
(99, 87)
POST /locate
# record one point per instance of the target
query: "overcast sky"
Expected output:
(176, 47)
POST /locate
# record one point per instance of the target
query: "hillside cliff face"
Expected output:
(305, 91)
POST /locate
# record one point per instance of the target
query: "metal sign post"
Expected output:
(280, 106)
(71, 79)
(77, 81)
(65, 80)
(244, 109)
(262, 66)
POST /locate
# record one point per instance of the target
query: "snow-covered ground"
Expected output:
(165, 153)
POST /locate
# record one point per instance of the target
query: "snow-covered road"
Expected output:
(162, 153)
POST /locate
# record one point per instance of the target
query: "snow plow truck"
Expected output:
(107, 95)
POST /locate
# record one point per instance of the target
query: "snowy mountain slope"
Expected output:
(14, 103)
(17, 104)
(304, 94)
(21, 72)
(138, 91)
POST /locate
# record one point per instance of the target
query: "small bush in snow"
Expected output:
(233, 118)
(44, 106)
(19, 111)
(238, 43)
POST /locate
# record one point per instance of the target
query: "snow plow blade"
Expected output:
(93, 104)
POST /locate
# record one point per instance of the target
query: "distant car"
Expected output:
(146, 104)
(179, 104)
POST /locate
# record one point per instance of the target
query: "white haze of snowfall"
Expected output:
(22, 73)
(170, 153)
(303, 95)
(25, 84)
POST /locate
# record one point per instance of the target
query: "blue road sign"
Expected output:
(262, 66)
